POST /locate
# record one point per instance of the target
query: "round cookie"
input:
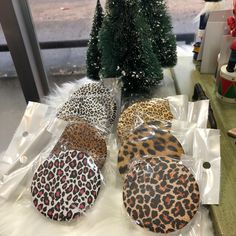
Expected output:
(147, 141)
(154, 109)
(93, 103)
(161, 195)
(84, 137)
(66, 186)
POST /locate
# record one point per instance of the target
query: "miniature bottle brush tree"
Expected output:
(94, 53)
(135, 42)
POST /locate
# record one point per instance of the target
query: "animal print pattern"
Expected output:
(98, 108)
(147, 141)
(152, 126)
(84, 137)
(66, 186)
(94, 89)
(161, 195)
(144, 111)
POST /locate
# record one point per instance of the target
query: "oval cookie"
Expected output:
(84, 137)
(66, 186)
(161, 195)
(154, 109)
(145, 142)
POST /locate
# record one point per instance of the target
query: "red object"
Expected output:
(232, 21)
(233, 45)
(226, 84)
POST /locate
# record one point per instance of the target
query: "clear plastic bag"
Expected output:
(172, 138)
(184, 132)
(173, 107)
(179, 106)
(32, 122)
(65, 185)
(159, 191)
(115, 86)
(143, 111)
(93, 103)
(80, 135)
(107, 217)
(206, 148)
(50, 170)
(198, 113)
(13, 181)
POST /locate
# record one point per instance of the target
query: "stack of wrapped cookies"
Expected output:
(67, 183)
(160, 193)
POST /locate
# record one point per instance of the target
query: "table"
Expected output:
(186, 76)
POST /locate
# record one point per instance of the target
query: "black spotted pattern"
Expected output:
(93, 103)
(146, 141)
(161, 195)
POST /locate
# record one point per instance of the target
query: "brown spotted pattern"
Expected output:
(145, 111)
(147, 141)
(84, 137)
(161, 195)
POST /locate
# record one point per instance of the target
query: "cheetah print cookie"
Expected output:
(154, 109)
(66, 186)
(84, 137)
(93, 103)
(145, 142)
(161, 195)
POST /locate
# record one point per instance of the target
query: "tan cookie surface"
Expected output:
(161, 195)
(86, 138)
(145, 111)
(147, 141)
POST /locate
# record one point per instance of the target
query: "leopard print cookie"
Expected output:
(161, 195)
(154, 109)
(84, 137)
(66, 186)
(98, 108)
(145, 142)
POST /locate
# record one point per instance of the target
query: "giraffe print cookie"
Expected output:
(161, 195)
(66, 186)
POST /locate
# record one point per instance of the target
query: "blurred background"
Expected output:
(58, 20)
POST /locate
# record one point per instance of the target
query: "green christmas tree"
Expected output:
(126, 47)
(163, 42)
(93, 53)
